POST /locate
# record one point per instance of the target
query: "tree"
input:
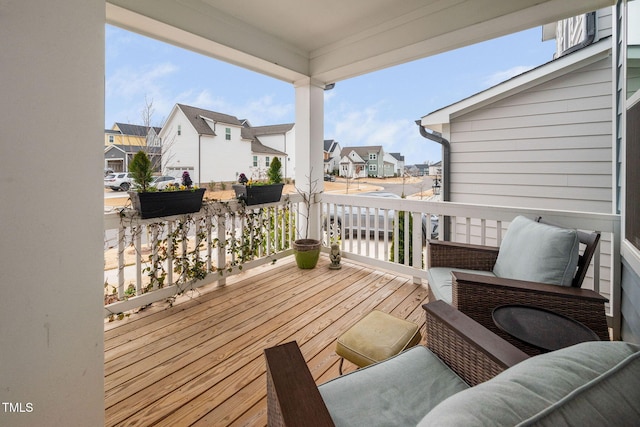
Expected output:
(275, 171)
(141, 171)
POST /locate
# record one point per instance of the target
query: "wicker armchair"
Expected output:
(473, 353)
(477, 295)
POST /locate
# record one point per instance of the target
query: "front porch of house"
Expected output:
(200, 361)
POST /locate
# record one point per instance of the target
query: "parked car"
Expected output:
(161, 182)
(336, 228)
(330, 178)
(120, 181)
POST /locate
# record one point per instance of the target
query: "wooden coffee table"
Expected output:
(541, 328)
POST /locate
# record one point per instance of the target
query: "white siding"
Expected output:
(547, 147)
(219, 158)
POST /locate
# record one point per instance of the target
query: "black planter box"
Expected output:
(166, 203)
(259, 194)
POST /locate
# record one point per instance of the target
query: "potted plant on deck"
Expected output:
(305, 250)
(149, 202)
(256, 193)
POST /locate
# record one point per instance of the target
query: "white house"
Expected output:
(268, 142)
(331, 155)
(207, 144)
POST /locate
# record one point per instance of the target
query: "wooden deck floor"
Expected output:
(200, 362)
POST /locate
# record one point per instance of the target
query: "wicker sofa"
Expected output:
(466, 375)
(538, 264)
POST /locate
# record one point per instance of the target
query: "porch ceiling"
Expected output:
(333, 40)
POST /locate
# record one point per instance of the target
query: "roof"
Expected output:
(329, 41)
(258, 147)
(330, 145)
(363, 151)
(132, 149)
(397, 156)
(536, 76)
(133, 130)
(198, 118)
(250, 132)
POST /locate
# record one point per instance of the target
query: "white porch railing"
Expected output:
(367, 234)
(152, 260)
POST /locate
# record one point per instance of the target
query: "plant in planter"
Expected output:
(255, 193)
(151, 203)
(305, 250)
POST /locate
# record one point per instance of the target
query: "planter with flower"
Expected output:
(149, 202)
(257, 192)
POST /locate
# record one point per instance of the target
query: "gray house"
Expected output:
(543, 139)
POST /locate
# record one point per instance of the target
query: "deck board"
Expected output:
(200, 361)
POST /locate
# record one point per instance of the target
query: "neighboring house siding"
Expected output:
(547, 147)
(630, 304)
(604, 23)
(285, 143)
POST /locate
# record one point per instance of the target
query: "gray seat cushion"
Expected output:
(440, 279)
(538, 252)
(589, 384)
(398, 391)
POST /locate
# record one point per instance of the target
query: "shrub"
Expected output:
(275, 171)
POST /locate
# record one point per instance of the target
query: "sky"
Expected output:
(379, 108)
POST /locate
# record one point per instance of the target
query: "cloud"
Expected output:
(501, 76)
(130, 83)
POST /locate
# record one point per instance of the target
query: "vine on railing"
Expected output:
(182, 252)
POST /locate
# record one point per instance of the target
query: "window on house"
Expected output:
(373, 168)
(179, 130)
(373, 156)
(111, 139)
(266, 161)
(255, 161)
(227, 134)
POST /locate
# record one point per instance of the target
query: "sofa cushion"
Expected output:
(440, 279)
(398, 391)
(538, 252)
(593, 383)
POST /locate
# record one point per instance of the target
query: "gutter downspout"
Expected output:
(446, 150)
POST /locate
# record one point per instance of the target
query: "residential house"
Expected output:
(364, 161)
(55, 348)
(435, 169)
(411, 170)
(117, 157)
(207, 144)
(421, 169)
(215, 147)
(398, 160)
(268, 142)
(543, 139)
(123, 140)
(331, 156)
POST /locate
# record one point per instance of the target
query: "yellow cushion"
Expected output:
(377, 337)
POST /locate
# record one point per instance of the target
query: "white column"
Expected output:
(51, 214)
(309, 147)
